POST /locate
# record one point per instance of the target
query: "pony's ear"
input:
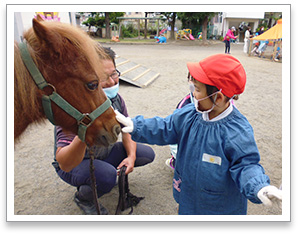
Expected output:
(39, 18)
(46, 36)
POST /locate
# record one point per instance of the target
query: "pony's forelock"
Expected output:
(85, 45)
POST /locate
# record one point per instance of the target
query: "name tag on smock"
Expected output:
(212, 159)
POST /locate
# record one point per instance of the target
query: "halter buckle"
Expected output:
(48, 89)
(85, 121)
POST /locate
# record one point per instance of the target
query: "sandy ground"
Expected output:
(39, 191)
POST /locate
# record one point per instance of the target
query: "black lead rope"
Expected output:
(126, 199)
(93, 180)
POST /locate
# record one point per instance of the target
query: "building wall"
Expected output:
(134, 14)
(23, 21)
(225, 20)
(235, 18)
(244, 15)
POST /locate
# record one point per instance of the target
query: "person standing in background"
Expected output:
(247, 39)
(229, 35)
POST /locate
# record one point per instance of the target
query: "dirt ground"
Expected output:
(39, 191)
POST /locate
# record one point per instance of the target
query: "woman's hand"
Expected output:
(129, 162)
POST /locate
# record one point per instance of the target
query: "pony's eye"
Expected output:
(92, 85)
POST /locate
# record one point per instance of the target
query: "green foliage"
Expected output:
(264, 24)
(129, 31)
(98, 18)
(194, 20)
(114, 15)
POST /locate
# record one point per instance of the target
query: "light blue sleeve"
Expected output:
(156, 130)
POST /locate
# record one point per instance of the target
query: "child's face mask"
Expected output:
(196, 103)
(191, 87)
(111, 92)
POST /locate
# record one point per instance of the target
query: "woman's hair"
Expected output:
(110, 52)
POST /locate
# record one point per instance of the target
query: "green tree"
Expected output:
(171, 18)
(190, 19)
(145, 24)
(107, 22)
(103, 19)
(96, 19)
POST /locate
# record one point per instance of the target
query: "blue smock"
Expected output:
(217, 167)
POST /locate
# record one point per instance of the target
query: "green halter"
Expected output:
(84, 120)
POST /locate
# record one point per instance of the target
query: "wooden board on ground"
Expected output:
(134, 73)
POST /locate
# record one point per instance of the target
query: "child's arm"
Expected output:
(246, 171)
(157, 130)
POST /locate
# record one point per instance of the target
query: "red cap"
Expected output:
(222, 71)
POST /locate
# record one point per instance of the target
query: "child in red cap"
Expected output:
(217, 167)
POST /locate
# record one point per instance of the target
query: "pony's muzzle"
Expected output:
(116, 130)
(106, 138)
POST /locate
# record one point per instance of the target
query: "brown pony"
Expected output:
(69, 60)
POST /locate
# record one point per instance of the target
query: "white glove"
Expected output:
(270, 194)
(126, 121)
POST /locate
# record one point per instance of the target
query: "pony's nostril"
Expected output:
(117, 129)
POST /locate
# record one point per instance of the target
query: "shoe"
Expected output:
(89, 207)
(171, 163)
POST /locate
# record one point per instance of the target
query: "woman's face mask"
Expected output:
(111, 92)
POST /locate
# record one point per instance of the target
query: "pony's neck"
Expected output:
(27, 98)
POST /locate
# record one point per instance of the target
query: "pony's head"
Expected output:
(72, 62)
